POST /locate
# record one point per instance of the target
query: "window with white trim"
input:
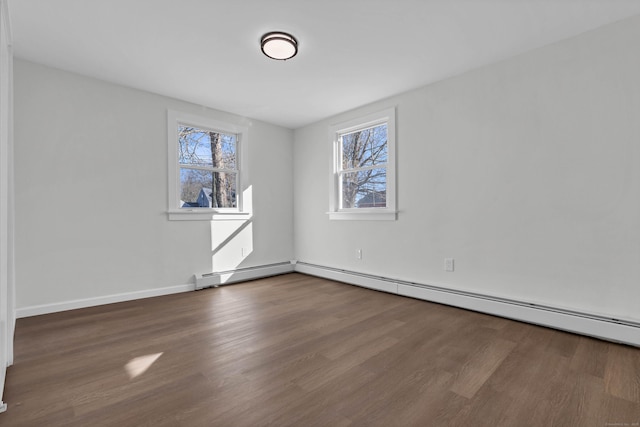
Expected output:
(363, 168)
(204, 167)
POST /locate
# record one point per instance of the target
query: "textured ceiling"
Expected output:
(352, 52)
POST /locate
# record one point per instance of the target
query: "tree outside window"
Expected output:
(208, 168)
(363, 174)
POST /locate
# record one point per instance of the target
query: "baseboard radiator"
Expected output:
(611, 329)
(242, 274)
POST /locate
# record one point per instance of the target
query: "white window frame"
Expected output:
(388, 213)
(175, 212)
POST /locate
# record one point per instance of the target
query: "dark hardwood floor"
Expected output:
(296, 350)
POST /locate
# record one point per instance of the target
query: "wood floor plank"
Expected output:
(319, 377)
(621, 376)
(320, 407)
(296, 350)
(585, 405)
(410, 402)
(480, 366)
(590, 357)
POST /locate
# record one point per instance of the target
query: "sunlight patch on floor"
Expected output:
(139, 365)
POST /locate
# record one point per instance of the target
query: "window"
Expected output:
(204, 167)
(208, 173)
(363, 168)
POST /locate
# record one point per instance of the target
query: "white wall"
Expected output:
(527, 172)
(91, 192)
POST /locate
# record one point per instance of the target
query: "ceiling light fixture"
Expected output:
(279, 45)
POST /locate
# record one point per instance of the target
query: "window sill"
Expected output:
(364, 216)
(206, 215)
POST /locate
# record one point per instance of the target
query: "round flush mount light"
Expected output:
(278, 45)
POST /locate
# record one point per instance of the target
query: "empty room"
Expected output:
(336, 213)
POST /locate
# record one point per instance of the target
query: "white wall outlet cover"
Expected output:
(448, 264)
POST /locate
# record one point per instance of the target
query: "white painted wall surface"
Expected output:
(91, 192)
(527, 172)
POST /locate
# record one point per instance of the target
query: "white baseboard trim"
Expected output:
(3, 407)
(37, 310)
(242, 274)
(610, 329)
(202, 281)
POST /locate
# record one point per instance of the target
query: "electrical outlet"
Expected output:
(448, 264)
(358, 253)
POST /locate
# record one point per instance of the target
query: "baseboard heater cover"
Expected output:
(611, 329)
(242, 274)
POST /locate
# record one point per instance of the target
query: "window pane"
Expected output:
(207, 189)
(367, 147)
(364, 189)
(206, 148)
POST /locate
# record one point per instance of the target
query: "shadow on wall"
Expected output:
(232, 240)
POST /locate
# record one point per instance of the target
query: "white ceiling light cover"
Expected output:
(279, 45)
